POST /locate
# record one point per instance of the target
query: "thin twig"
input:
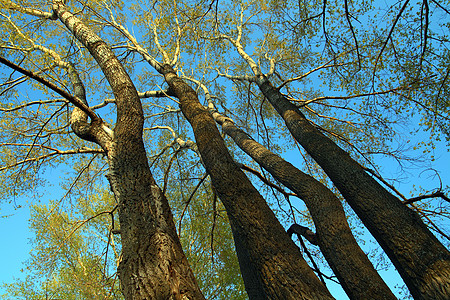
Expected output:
(347, 15)
(389, 36)
(263, 179)
(189, 201)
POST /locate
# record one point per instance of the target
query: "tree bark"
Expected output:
(153, 264)
(335, 239)
(422, 261)
(271, 265)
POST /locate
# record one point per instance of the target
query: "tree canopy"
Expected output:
(172, 124)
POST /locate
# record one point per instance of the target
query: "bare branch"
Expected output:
(166, 59)
(249, 78)
(240, 49)
(55, 152)
(324, 66)
(389, 36)
(347, 15)
(142, 95)
(433, 225)
(74, 100)
(425, 32)
(178, 39)
(29, 104)
(189, 200)
(165, 127)
(437, 194)
(311, 237)
(103, 104)
(440, 6)
(135, 47)
(264, 179)
(304, 103)
(156, 94)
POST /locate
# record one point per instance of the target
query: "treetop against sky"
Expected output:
(153, 110)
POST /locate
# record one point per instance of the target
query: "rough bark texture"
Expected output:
(153, 264)
(335, 239)
(422, 261)
(271, 265)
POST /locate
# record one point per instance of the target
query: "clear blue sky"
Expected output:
(14, 234)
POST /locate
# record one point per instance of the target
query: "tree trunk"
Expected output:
(271, 265)
(422, 261)
(153, 264)
(335, 239)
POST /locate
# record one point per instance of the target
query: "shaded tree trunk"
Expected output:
(422, 261)
(271, 265)
(153, 264)
(335, 239)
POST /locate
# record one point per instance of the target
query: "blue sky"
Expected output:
(14, 235)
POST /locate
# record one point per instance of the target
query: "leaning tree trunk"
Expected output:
(153, 264)
(422, 261)
(271, 265)
(335, 239)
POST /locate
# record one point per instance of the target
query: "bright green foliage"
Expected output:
(74, 254)
(204, 230)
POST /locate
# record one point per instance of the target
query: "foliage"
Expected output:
(372, 76)
(74, 255)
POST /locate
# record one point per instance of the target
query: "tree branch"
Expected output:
(389, 36)
(347, 15)
(303, 231)
(30, 11)
(74, 100)
(437, 194)
(263, 179)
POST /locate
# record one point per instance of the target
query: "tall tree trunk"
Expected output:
(153, 264)
(335, 239)
(271, 265)
(422, 261)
